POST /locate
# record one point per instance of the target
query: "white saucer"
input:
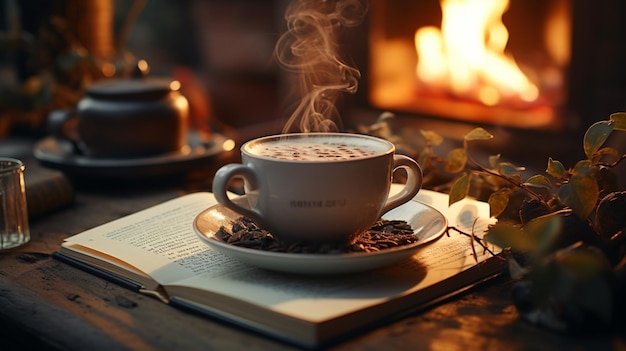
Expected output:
(54, 153)
(428, 224)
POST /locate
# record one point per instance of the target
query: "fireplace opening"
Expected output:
(499, 62)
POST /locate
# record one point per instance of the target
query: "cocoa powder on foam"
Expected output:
(312, 151)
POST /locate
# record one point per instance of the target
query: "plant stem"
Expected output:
(483, 169)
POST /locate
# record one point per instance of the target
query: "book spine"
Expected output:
(126, 283)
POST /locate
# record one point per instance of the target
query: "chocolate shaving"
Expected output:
(384, 234)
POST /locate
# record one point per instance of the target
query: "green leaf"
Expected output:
(507, 234)
(596, 135)
(432, 137)
(580, 194)
(495, 182)
(538, 181)
(535, 238)
(584, 168)
(556, 168)
(508, 169)
(619, 118)
(605, 153)
(494, 160)
(478, 134)
(542, 232)
(460, 189)
(608, 151)
(498, 201)
(457, 159)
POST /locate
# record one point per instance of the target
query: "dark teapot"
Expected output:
(125, 118)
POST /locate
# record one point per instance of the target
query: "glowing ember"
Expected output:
(466, 56)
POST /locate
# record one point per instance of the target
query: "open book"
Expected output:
(157, 252)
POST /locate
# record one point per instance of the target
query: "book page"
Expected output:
(159, 241)
(458, 250)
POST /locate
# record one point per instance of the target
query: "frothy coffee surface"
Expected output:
(312, 149)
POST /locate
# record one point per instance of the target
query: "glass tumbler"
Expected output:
(14, 229)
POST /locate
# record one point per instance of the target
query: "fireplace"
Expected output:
(568, 54)
(471, 60)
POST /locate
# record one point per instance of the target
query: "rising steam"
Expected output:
(310, 48)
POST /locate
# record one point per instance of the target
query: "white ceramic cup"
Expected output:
(319, 197)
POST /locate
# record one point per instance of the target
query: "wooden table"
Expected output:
(46, 304)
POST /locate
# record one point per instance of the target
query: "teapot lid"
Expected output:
(130, 88)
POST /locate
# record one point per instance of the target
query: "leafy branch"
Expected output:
(568, 244)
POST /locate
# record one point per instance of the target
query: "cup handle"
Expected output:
(62, 124)
(220, 187)
(413, 183)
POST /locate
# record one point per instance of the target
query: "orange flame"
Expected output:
(467, 55)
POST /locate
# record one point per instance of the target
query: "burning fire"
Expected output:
(467, 57)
